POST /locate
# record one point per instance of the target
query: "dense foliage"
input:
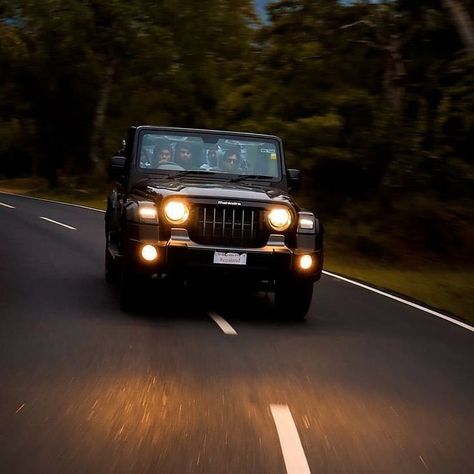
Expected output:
(375, 101)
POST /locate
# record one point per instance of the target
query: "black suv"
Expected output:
(194, 205)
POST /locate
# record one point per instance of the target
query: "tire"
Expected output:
(293, 298)
(111, 270)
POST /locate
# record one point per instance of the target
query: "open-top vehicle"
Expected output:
(195, 204)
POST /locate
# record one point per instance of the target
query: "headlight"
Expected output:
(279, 219)
(147, 212)
(176, 212)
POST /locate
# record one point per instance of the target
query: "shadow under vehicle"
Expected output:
(206, 207)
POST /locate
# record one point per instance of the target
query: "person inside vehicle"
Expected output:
(184, 156)
(230, 162)
(162, 154)
(211, 160)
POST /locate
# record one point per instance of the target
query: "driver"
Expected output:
(231, 161)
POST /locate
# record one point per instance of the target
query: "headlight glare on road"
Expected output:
(176, 212)
(149, 253)
(279, 218)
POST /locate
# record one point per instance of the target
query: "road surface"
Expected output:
(193, 382)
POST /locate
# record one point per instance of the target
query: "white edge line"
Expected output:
(7, 205)
(293, 452)
(55, 202)
(223, 324)
(58, 223)
(401, 300)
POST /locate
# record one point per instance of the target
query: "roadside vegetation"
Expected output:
(374, 101)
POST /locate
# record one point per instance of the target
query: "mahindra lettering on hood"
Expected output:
(190, 204)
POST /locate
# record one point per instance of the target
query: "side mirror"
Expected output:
(117, 167)
(294, 179)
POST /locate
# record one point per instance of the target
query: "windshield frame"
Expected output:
(164, 173)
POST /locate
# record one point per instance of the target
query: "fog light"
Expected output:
(149, 253)
(306, 261)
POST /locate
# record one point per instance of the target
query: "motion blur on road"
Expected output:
(366, 384)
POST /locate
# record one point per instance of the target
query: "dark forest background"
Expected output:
(375, 101)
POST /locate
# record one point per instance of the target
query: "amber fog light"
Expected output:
(306, 262)
(149, 253)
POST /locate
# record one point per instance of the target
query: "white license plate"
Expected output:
(230, 258)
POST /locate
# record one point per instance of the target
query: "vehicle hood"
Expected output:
(158, 190)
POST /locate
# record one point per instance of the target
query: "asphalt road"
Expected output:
(365, 385)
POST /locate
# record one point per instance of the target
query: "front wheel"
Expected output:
(293, 298)
(111, 270)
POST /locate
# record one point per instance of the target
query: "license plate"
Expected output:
(230, 258)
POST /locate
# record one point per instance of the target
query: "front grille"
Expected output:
(228, 226)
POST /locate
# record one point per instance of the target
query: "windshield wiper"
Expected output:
(243, 177)
(180, 174)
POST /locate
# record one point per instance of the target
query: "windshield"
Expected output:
(216, 153)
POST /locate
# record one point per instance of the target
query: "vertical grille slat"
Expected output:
(220, 226)
(233, 222)
(251, 225)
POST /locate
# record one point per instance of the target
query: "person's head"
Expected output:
(185, 155)
(212, 157)
(162, 153)
(165, 154)
(230, 161)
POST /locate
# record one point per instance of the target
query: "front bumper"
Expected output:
(181, 256)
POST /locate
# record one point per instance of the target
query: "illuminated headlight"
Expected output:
(147, 212)
(149, 253)
(306, 262)
(279, 219)
(176, 212)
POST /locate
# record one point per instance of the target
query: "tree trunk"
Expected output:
(462, 21)
(96, 151)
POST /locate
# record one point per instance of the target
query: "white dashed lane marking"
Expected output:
(293, 453)
(58, 223)
(223, 324)
(7, 205)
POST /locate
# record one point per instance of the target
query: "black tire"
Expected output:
(293, 298)
(111, 268)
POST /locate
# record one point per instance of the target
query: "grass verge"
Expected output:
(67, 192)
(447, 289)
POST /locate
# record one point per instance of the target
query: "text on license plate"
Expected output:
(230, 258)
